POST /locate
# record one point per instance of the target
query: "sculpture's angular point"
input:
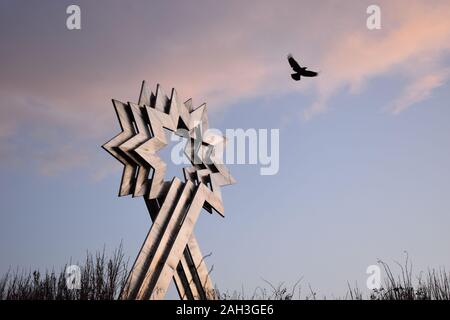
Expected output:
(161, 100)
(202, 106)
(232, 180)
(159, 90)
(188, 104)
(105, 146)
(173, 94)
(144, 95)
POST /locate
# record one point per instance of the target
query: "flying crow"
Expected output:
(299, 71)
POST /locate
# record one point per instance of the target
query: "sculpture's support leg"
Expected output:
(170, 250)
(199, 269)
(192, 278)
(177, 236)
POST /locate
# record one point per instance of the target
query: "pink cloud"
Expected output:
(410, 33)
(418, 91)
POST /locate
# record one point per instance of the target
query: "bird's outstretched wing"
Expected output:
(294, 64)
(309, 73)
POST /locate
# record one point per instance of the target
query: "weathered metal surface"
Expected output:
(170, 249)
(129, 170)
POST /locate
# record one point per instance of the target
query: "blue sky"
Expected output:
(364, 148)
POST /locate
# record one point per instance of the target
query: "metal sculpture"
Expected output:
(170, 249)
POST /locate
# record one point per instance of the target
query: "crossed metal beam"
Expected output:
(170, 249)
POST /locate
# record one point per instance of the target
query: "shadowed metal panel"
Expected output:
(183, 229)
(137, 275)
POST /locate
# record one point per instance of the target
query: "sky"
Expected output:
(364, 147)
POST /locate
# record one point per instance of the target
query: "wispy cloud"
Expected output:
(418, 91)
(61, 159)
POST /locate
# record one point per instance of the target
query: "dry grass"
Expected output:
(102, 278)
(431, 285)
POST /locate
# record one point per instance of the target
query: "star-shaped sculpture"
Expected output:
(143, 135)
(170, 248)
